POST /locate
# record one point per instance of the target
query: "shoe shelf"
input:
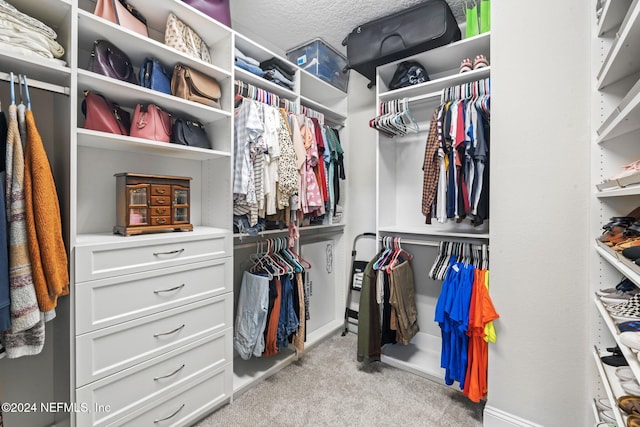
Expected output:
(632, 190)
(622, 60)
(611, 386)
(613, 13)
(624, 119)
(612, 258)
(628, 354)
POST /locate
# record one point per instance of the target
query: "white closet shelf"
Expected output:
(127, 95)
(611, 257)
(632, 190)
(436, 85)
(56, 12)
(612, 15)
(258, 52)
(329, 113)
(442, 61)
(109, 141)
(265, 84)
(138, 47)
(314, 87)
(35, 68)
(247, 372)
(424, 231)
(622, 60)
(157, 12)
(624, 118)
(607, 375)
(421, 356)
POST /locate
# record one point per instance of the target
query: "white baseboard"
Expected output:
(494, 417)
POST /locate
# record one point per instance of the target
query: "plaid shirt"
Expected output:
(430, 168)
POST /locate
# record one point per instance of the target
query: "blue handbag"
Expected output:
(153, 76)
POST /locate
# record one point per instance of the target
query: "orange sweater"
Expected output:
(44, 227)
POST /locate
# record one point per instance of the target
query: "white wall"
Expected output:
(540, 57)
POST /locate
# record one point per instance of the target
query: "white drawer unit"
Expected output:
(131, 388)
(109, 350)
(185, 405)
(107, 302)
(99, 257)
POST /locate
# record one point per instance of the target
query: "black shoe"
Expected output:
(615, 350)
(614, 360)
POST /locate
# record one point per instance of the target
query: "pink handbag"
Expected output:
(122, 13)
(216, 9)
(151, 122)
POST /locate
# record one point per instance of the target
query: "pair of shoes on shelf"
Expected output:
(620, 229)
(607, 416)
(631, 387)
(633, 420)
(480, 61)
(630, 326)
(629, 404)
(616, 360)
(624, 373)
(628, 310)
(624, 285)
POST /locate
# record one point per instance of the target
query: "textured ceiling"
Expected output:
(285, 24)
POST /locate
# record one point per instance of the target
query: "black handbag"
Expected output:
(108, 60)
(191, 133)
(408, 73)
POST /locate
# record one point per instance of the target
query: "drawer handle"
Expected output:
(171, 374)
(170, 416)
(178, 329)
(161, 220)
(169, 290)
(177, 251)
(161, 190)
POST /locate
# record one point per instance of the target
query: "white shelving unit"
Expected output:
(104, 265)
(328, 306)
(399, 191)
(614, 123)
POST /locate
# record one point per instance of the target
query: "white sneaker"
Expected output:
(603, 404)
(631, 387)
(624, 373)
(631, 340)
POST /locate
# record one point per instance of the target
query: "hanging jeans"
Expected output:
(288, 323)
(251, 315)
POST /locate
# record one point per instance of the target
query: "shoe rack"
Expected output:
(615, 131)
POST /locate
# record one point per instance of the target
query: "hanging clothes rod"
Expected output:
(434, 243)
(38, 84)
(427, 96)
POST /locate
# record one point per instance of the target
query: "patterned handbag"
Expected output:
(181, 37)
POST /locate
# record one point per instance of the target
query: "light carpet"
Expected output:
(328, 387)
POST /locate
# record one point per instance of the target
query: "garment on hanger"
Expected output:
(251, 315)
(481, 314)
(44, 224)
(5, 302)
(26, 336)
(271, 310)
(455, 167)
(369, 333)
